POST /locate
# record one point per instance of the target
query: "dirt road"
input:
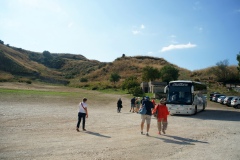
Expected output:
(43, 127)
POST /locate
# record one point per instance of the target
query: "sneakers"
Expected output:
(142, 133)
(84, 130)
(147, 134)
(77, 129)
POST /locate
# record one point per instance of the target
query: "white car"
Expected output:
(221, 99)
(235, 102)
(226, 99)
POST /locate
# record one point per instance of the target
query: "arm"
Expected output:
(154, 109)
(86, 112)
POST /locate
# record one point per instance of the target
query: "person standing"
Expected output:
(119, 105)
(162, 113)
(132, 104)
(82, 114)
(138, 104)
(146, 117)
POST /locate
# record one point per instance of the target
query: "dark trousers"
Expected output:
(81, 116)
(119, 109)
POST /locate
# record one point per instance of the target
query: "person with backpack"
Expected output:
(162, 113)
(147, 116)
(82, 114)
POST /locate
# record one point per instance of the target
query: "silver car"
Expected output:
(226, 99)
(221, 99)
(235, 102)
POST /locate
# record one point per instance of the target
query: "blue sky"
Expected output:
(193, 34)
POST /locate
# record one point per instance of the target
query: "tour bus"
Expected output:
(185, 97)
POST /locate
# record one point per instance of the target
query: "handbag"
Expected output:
(142, 110)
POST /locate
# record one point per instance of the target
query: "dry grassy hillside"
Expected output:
(17, 64)
(131, 66)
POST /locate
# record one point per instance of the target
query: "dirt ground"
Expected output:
(43, 127)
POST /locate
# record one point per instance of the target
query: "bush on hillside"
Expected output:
(136, 91)
(83, 79)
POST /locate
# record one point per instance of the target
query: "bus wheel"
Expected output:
(195, 111)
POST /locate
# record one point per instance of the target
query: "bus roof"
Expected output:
(186, 81)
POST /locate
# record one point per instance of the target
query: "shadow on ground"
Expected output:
(97, 134)
(179, 140)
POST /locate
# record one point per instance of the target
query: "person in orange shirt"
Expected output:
(162, 113)
(153, 101)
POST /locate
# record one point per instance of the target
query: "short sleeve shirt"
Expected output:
(149, 106)
(81, 108)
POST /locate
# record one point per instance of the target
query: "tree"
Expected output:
(221, 71)
(130, 82)
(169, 73)
(47, 54)
(224, 73)
(114, 77)
(238, 59)
(150, 73)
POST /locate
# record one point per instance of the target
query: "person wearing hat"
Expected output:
(146, 117)
(162, 113)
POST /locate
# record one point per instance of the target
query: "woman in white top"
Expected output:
(82, 114)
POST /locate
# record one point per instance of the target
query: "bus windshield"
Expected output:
(179, 95)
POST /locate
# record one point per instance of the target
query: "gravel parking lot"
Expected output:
(43, 127)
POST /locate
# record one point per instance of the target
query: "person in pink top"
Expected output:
(162, 113)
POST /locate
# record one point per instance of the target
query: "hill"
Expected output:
(17, 64)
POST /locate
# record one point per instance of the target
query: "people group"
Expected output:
(160, 110)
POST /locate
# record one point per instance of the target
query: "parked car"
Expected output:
(212, 94)
(216, 96)
(235, 102)
(221, 99)
(227, 100)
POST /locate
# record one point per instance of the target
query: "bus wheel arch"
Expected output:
(204, 107)
(195, 110)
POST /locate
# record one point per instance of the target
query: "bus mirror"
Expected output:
(165, 89)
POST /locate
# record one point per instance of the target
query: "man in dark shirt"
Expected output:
(132, 104)
(149, 106)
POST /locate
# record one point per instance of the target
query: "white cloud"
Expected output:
(178, 46)
(137, 30)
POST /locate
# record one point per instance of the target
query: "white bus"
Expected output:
(185, 97)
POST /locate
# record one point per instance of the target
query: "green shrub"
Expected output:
(83, 80)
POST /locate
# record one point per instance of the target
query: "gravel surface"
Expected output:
(43, 127)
